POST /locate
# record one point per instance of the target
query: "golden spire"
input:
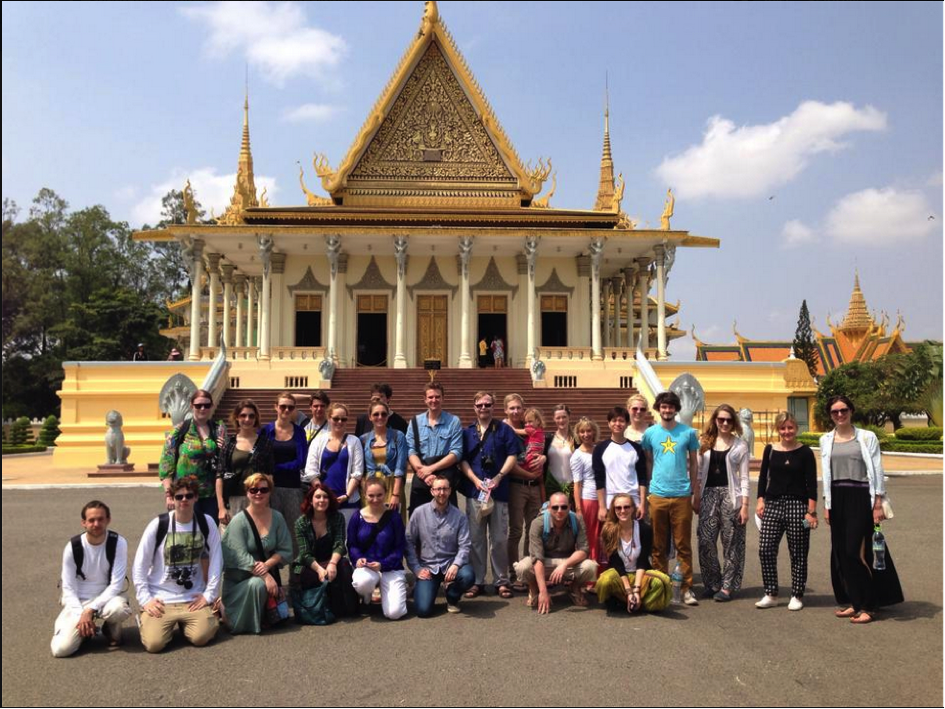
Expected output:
(244, 191)
(605, 193)
(857, 318)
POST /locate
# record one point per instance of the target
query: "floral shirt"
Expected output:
(196, 457)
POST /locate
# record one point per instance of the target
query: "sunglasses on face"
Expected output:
(258, 491)
(185, 496)
(557, 508)
(379, 415)
(637, 409)
(202, 406)
(444, 490)
(249, 415)
(621, 508)
(286, 407)
(726, 421)
(339, 419)
(483, 406)
(840, 412)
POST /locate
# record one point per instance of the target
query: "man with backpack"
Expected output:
(93, 572)
(558, 553)
(177, 572)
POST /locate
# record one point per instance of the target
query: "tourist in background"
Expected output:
(721, 501)
(380, 391)
(256, 544)
(854, 492)
(787, 503)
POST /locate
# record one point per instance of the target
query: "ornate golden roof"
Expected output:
(605, 192)
(244, 191)
(432, 139)
(857, 318)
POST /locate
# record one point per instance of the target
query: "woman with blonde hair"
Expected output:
(721, 501)
(639, 408)
(628, 543)
(586, 504)
(787, 503)
(256, 544)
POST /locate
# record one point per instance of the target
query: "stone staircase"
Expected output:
(352, 387)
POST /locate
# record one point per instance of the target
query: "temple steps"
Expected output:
(352, 387)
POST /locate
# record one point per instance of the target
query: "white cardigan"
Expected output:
(313, 463)
(736, 464)
(872, 456)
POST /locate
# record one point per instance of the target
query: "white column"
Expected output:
(227, 270)
(213, 268)
(531, 254)
(465, 252)
(660, 302)
(333, 246)
(617, 282)
(644, 275)
(628, 287)
(581, 301)
(257, 283)
(250, 310)
(400, 324)
(277, 296)
(239, 286)
(606, 305)
(265, 324)
(196, 277)
(596, 249)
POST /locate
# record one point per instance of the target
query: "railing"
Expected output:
(313, 354)
(626, 382)
(565, 381)
(558, 354)
(296, 382)
(618, 353)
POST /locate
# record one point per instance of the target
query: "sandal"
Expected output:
(862, 618)
(519, 587)
(474, 591)
(531, 601)
(577, 596)
(845, 612)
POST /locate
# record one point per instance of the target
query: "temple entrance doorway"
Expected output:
(372, 331)
(432, 329)
(308, 320)
(492, 323)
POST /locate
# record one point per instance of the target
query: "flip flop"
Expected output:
(504, 592)
(862, 618)
(845, 612)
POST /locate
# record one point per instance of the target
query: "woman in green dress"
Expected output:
(251, 575)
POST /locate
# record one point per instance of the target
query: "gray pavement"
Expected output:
(496, 652)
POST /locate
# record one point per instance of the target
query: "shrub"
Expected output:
(49, 432)
(881, 433)
(20, 432)
(7, 450)
(931, 433)
(911, 447)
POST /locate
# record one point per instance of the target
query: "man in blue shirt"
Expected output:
(438, 550)
(491, 448)
(435, 446)
(671, 460)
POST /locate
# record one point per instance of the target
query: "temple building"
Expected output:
(433, 235)
(860, 337)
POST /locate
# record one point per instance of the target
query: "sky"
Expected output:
(807, 137)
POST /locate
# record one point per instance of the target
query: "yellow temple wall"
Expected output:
(91, 389)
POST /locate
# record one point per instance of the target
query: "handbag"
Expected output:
(887, 508)
(310, 605)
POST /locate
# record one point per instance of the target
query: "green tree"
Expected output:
(861, 383)
(805, 349)
(49, 432)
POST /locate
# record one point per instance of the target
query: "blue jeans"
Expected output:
(424, 593)
(209, 507)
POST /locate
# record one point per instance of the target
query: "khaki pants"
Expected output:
(585, 572)
(672, 514)
(524, 506)
(199, 626)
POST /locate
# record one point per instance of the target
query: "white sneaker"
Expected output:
(689, 598)
(796, 604)
(450, 608)
(767, 602)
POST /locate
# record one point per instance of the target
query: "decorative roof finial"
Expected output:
(244, 191)
(605, 191)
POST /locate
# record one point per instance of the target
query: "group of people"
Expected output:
(598, 514)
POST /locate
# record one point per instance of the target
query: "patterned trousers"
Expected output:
(717, 517)
(784, 514)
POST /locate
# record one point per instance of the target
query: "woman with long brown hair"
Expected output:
(721, 501)
(244, 453)
(628, 543)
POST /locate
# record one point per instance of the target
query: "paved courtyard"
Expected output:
(496, 652)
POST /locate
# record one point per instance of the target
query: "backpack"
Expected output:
(546, 523)
(164, 522)
(78, 553)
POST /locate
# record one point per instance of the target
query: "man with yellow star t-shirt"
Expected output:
(671, 461)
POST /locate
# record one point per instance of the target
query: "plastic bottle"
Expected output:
(677, 578)
(879, 549)
(486, 490)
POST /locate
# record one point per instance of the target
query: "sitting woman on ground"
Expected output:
(376, 543)
(320, 535)
(385, 457)
(251, 572)
(244, 453)
(338, 461)
(630, 580)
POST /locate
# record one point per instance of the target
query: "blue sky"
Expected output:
(806, 136)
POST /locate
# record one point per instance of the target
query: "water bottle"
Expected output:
(677, 579)
(486, 490)
(879, 549)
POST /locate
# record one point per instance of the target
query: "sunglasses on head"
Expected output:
(258, 491)
(202, 406)
(184, 496)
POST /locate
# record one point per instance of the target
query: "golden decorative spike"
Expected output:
(189, 207)
(543, 202)
(605, 191)
(668, 208)
(322, 166)
(263, 202)
(244, 191)
(312, 200)
(617, 197)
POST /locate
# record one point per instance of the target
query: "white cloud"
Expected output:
(880, 217)
(796, 233)
(935, 180)
(126, 193)
(314, 112)
(212, 190)
(275, 37)
(750, 161)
